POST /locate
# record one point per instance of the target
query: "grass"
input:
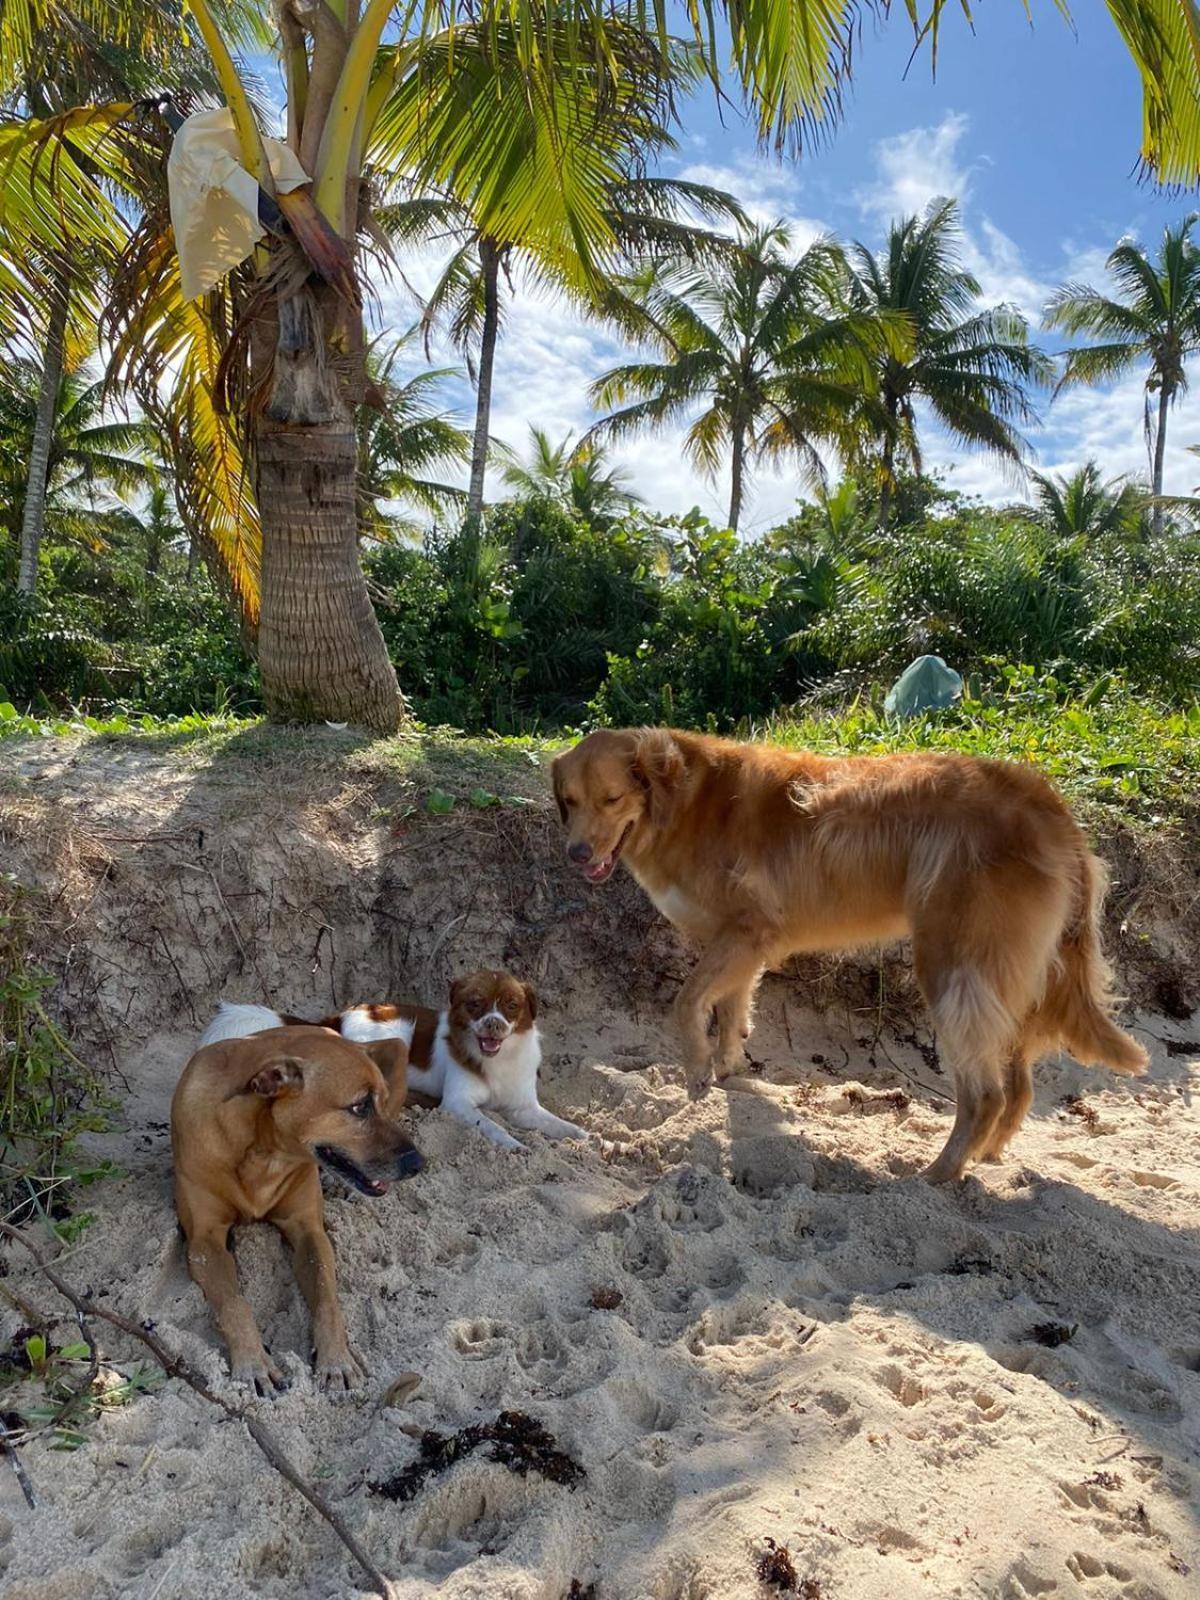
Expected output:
(1112, 752)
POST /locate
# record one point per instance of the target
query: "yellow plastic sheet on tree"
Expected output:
(214, 200)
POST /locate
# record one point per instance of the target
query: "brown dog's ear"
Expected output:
(658, 766)
(556, 780)
(530, 1000)
(456, 989)
(391, 1057)
(284, 1076)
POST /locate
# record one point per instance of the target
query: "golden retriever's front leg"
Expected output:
(734, 1026)
(729, 968)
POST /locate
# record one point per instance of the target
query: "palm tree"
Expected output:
(62, 57)
(402, 438)
(90, 456)
(573, 474)
(762, 358)
(1153, 320)
(273, 364)
(635, 218)
(971, 367)
(1080, 505)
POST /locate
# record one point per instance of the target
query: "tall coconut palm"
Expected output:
(972, 367)
(61, 57)
(403, 438)
(762, 358)
(90, 454)
(1152, 321)
(635, 217)
(1080, 505)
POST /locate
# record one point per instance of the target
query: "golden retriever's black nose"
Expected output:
(409, 1164)
(581, 853)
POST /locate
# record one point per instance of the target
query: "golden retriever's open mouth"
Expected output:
(599, 871)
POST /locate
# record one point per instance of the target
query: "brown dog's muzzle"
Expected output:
(375, 1176)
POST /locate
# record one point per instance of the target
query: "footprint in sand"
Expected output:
(1091, 1571)
(1021, 1582)
(480, 1339)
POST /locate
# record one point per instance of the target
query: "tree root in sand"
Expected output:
(176, 1367)
(518, 1442)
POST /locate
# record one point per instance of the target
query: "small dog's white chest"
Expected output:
(511, 1078)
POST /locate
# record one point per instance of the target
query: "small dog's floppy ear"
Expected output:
(456, 989)
(556, 780)
(530, 1000)
(283, 1076)
(658, 766)
(391, 1057)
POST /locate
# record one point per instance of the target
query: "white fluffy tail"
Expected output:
(238, 1022)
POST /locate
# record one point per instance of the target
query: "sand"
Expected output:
(745, 1317)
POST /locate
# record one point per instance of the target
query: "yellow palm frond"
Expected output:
(170, 351)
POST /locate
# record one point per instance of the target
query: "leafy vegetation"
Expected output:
(48, 1096)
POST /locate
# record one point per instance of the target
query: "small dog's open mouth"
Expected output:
(490, 1047)
(349, 1172)
(599, 871)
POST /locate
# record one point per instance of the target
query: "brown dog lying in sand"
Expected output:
(252, 1120)
(756, 853)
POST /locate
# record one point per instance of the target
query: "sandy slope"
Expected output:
(809, 1343)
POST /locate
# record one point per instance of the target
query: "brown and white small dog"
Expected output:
(756, 853)
(251, 1121)
(481, 1054)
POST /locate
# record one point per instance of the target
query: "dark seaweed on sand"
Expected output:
(517, 1442)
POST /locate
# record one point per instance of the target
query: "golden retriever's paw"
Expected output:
(259, 1370)
(338, 1371)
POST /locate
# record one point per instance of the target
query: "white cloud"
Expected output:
(768, 190)
(914, 168)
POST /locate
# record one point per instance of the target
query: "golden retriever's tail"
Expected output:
(1078, 1002)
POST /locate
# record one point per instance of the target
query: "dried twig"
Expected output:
(8, 1447)
(176, 1367)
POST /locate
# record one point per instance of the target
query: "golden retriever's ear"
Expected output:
(658, 766)
(556, 780)
(530, 1000)
(285, 1076)
(391, 1057)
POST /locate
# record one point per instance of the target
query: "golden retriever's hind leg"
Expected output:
(975, 1032)
(1018, 1097)
(979, 1096)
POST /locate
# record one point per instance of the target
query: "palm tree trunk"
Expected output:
(1160, 450)
(489, 261)
(887, 467)
(321, 654)
(736, 474)
(33, 519)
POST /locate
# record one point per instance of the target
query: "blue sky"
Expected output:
(1036, 130)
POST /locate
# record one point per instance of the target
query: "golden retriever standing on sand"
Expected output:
(756, 853)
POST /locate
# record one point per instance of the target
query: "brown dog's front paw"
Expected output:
(260, 1371)
(339, 1370)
